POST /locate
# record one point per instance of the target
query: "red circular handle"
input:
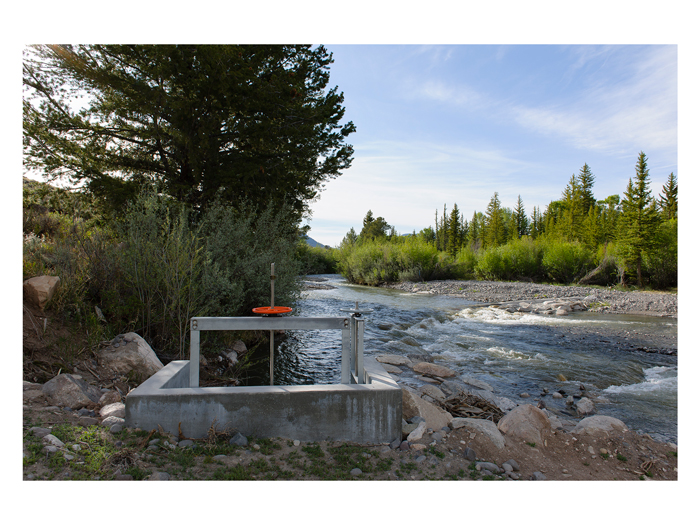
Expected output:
(272, 310)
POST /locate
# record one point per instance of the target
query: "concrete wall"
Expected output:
(369, 413)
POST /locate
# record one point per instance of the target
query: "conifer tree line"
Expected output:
(631, 240)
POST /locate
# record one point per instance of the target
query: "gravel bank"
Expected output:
(660, 304)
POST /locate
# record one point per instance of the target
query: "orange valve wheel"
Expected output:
(272, 310)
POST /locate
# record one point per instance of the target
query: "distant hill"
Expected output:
(313, 243)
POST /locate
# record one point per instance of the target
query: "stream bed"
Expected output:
(514, 353)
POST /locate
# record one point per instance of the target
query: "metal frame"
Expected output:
(353, 331)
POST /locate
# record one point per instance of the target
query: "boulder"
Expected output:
(130, 354)
(595, 424)
(432, 391)
(483, 426)
(40, 290)
(433, 370)
(413, 405)
(239, 347)
(71, 391)
(395, 360)
(115, 409)
(585, 407)
(527, 423)
(476, 383)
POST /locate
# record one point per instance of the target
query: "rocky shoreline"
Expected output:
(608, 300)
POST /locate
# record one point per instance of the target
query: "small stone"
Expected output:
(240, 440)
(40, 432)
(524, 394)
(396, 443)
(69, 457)
(420, 459)
(470, 454)
(154, 441)
(297, 442)
(52, 440)
(256, 446)
(159, 476)
(557, 395)
(86, 421)
(123, 477)
(513, 464)
(356, 472)
(116, 428)
(404, 445)
(112, 420)
(507, 467)
(538, 476)
(185, 443)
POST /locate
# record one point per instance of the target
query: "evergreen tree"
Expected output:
(234, 123)
(572, 218)
(374, 228)
(608, 217)
(454, 232)
(585, 184)
(536, 223)
(520, 222)
(669, 198)
(495, 234)
(639, 220)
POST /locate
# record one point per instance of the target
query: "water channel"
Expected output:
(514, 353)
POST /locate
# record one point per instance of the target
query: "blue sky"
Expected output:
(453, 124)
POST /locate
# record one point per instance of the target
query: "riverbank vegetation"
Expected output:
(576, 239)
(192, 168)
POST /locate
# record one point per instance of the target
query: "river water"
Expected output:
(514, 353)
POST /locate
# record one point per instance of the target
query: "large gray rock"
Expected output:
(71, 391)
(130, 354)
(433, 370)
(434, 416)
(396, 360)
(527, 423)
(40, 290)
(115, 409)
(483, 426)
(585, 407)
(476, 383)
(595, 424)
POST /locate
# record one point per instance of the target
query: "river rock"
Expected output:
(130, 354)
(40, 290)
(71, 391)
(526, 422)
(585, 407)
(433, 370)
(418, 432)
(115, 409)
(395, 360)
(392, 369)
(476, 383)
(413, 405)
(53, 441)
(595, 424)
(432, 391)
(483, 426)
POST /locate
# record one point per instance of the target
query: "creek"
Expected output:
(512, 352)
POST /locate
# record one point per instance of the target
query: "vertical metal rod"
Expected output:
(360, 351)
(345, 359)
(272, 355)
(194, 358)
(272, 284)
(272, 332)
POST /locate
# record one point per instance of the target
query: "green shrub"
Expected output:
(566, 262)
(315, 259)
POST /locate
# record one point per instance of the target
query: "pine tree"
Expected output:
(520, 221)
(585, 183)
(572, 219)
(669, 198)
(495, 234)
(454, 232)
(639, 220)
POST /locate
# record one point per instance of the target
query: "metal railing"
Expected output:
(353, 330)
